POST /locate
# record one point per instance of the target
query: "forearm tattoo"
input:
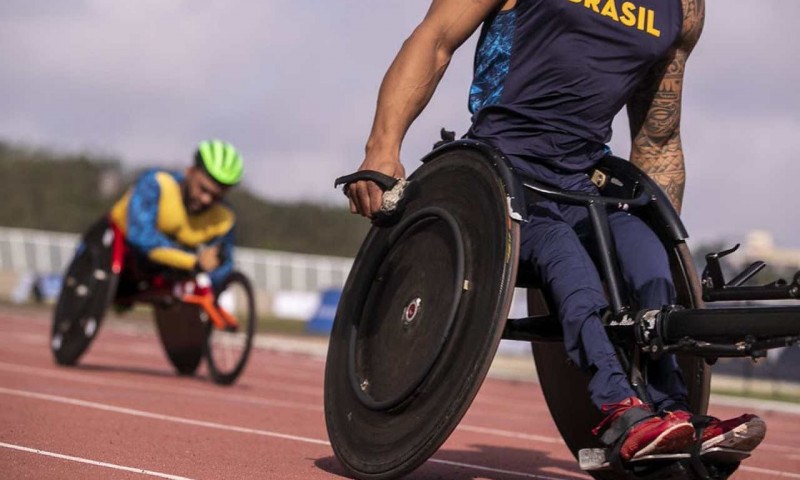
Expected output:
(654, 112)
(654, 115)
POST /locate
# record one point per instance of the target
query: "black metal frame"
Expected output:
(707, 333)
(710, 333)
(701, 333)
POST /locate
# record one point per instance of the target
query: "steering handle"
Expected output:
(385, 182)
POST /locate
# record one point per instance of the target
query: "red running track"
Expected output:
(123, 414)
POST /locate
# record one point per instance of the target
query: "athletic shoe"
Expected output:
(651, 436)
(742, 433)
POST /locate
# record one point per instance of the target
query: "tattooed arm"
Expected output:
(654, 111)
(408, 86)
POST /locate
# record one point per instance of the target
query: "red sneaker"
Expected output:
(742, 433)
(650, 436)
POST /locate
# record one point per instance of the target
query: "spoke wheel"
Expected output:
(227, 350)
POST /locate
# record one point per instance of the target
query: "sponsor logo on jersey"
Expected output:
(626, 13)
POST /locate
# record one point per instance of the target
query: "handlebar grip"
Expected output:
(385, 182)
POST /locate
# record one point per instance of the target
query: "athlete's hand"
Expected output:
(365, 196)
(208, 258)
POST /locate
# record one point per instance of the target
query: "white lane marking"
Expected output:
(76, 377)
(721, 400)
(778, 448)
(93, 462)
(754, 403)
(278, 365)
(495, 470)
(232, 428)
(43, 372)
(764, 471)
(157, 416)
(509, 434)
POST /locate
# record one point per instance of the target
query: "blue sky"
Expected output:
(293, 85)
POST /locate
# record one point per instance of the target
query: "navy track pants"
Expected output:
(558, 241)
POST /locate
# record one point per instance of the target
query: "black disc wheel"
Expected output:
(183, 334)
(420, 318)
(227, 350)
(87, 289)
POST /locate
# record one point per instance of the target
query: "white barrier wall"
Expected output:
(23, 250)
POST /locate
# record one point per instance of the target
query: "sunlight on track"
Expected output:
(93, 462)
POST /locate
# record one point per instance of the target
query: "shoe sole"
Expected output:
(676, 439)
(744, 438)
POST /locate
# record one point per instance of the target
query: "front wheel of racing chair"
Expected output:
(227, 349)
(89, 286)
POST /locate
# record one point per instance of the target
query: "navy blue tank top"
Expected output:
(550, 75)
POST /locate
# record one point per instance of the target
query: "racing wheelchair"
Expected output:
(194, 321)
(427, 301)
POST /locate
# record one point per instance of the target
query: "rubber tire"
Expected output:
(182, 334)
(373, 442)
(217, 374)
(91, 257)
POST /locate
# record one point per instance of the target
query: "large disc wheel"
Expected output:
(227, 350)
(87, 289)
(420, 318)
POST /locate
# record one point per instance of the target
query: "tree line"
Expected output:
(66, 192)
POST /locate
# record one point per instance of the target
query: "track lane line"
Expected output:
(766, 471)
(503, 433)
(77, 377)
(148, 349)
(497, 470)
(233, 428)
(509, 434)
(83, 378)
(156, 416)
(96, 463)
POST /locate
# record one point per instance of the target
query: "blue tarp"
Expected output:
(322, 321)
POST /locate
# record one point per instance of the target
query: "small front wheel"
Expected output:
(227, 350)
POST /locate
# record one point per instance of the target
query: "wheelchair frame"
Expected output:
(697, 334)
(186, 321)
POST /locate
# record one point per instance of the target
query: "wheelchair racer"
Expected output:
(176, 224)
(549, 77)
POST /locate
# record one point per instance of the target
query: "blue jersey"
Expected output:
(154, 220)
(550, 75)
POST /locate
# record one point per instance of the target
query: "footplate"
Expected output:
(596, 459)
(724, 455)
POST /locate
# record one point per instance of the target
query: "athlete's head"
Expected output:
(217, 167)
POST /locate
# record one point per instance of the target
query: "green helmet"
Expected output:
(220, 161)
